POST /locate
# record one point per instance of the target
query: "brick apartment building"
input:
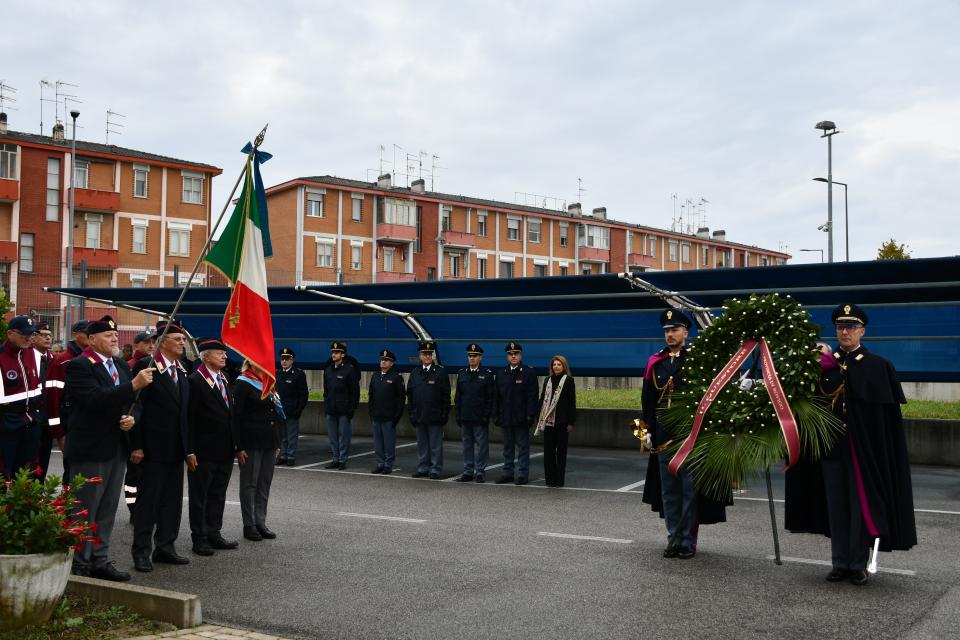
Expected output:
(377, 232)
(139, 218)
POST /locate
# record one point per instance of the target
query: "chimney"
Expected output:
(574, 209)
(58, 132)
(384, 181)
(419, 185)
(720, 235)
(600, 213)
(3, 122)
(703, 233)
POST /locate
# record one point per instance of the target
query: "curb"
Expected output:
(179, 609)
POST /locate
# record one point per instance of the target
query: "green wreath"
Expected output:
(740, 433)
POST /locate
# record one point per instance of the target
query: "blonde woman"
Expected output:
(558, 411)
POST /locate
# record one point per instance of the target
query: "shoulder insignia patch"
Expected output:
(859, 357)
(92, 359)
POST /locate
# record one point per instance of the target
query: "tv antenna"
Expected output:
(67, 97)
(433, 168)
(381, 159)
(110, 123)
(580, 191)
(673, 220)
(5, 97)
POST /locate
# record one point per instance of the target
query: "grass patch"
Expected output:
(82, 619)
(630, 399)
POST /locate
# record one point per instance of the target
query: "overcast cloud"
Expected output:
(640, 99)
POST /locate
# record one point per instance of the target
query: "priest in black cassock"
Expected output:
(864, 490)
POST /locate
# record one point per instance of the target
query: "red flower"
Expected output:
(78, 548)
(38, 471)
(95, 480)
(83, 513)
(93, 527)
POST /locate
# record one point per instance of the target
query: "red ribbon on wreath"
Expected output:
(788, 425)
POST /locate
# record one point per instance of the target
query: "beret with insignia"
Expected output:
(105, 323)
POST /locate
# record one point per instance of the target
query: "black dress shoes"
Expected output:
(837, 575)
(387, 472)
(109, 572)
(671, 551)
(685, 553)
(164, 557)
(434, 476)
(858, 578)
(463, 477)
(479, 478)
(143, 564)
(376, 470)
(82, 570)
(202, 549)
(504, 479)
(334, 464)
(217, 542)
(419, 474)
(291, 462)
(265, 533)
(251, 533)
(521, 481)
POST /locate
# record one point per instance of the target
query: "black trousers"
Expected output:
(849, 541)
(130, 483)
(43, 453)
(207, 487)
(555, 455)
(159, 506)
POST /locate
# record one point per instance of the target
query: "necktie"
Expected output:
(223, 389)
(112, 368)
(173, 373)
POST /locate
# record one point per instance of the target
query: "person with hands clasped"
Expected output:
(99, 391)
(558, 411)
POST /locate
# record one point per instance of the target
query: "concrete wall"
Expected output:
(934, 442)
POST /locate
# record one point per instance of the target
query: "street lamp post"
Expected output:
(829, 130)
(812, 250)
(73, 177)
(846, 215)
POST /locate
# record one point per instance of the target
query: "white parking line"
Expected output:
(358, 455)
(497, 466)
(937, 511)
(576, 537)
(631, 487)
(376, 517)
(826, 563)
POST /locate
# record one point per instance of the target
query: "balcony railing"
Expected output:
(592, 254)
(9, 190)
(95, 200)
(95, 258)
(401, 232)
(640, 260)
(458, 239)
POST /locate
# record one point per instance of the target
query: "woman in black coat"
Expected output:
(558, 411)
(256, 431)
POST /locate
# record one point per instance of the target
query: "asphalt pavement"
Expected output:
(368, 556)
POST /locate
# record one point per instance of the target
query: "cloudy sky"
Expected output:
(642, 100)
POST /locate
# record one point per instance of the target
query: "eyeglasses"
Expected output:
(286, 357)
(473, 355)
(846, 327)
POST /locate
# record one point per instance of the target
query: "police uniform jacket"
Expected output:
(474, 396)
(96, 405)
(21, 386)
(256, 423)
(387, 395)
(209, 419)
(292, 387)
(428, 394)
(161, 415)
(341, 389)
(516, 400)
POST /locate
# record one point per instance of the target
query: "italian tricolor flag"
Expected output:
(239, 255)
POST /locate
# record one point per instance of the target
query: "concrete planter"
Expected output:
(30, 586)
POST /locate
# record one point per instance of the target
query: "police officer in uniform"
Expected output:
(866, 492)
(341, 395)
(515, 411)
(292, 387)
(473, 399)
(20, 400)
(387, 395)
(428, 394)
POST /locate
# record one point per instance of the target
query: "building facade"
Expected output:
(327, 230)
(140, 220)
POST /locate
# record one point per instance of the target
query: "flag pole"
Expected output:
(203, 252)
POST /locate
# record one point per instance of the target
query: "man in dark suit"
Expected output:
(99, 392)
(158, 446)
(209, 448)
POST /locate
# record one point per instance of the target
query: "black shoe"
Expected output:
(504, 479)
(164, 557)
(479, 478)
(671, 551)
(387, 472)
(335, 464)
(202, 549)
(685, 553)
(142, 563)
(282, 462)
(291, 462)
(419, 474)
(80, 570)
(463, 477)
(434, 476)
(265, 533)
(376, 470)
(521, 481)
(218, 542)
(837, 575)
(342, 466)
(251, 533)
(859, 578)
(109, 572)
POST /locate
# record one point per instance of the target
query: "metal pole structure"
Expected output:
(829, 198)
(846, 222)
(73, 174)
(773, 520)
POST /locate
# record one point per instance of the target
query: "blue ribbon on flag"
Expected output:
(260, 157)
